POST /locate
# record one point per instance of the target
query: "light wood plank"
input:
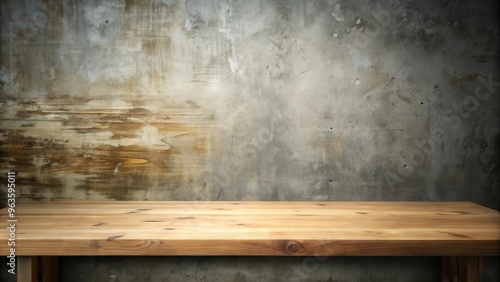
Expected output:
(254, 228)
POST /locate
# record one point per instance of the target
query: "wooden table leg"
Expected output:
(461, 269)
(27, 269)
(49, 269)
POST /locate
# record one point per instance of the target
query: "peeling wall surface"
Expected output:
(251, 100)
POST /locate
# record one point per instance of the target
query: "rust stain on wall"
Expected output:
(59, 146)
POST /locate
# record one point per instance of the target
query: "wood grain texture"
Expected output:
(28, 269)
(461, 269)
(254, 228)
(93, 149)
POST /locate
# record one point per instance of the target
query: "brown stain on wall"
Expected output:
(103, 151)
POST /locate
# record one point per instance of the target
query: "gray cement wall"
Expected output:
(251, 100)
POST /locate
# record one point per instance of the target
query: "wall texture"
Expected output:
(251, 100)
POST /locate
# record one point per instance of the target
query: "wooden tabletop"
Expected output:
(68, 228)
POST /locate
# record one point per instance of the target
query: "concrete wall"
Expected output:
(251, 100)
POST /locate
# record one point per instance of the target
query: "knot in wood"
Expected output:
(293, 247)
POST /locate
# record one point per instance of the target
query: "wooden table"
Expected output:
(460, 232)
